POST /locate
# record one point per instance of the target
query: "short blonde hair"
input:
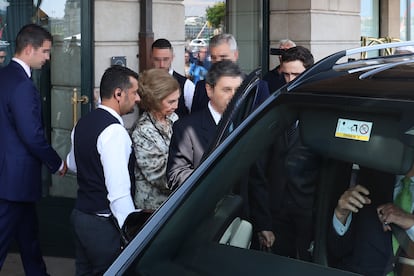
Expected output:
(154, 86)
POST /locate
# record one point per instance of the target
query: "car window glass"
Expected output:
(212, 202)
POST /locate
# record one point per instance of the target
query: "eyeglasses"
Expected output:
(2, 56)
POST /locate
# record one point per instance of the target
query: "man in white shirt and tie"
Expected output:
(362, 234)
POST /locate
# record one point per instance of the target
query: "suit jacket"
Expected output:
(291, 172)
(365, 248)
(191, 137)
(23, 146)
(274, 79)
(200, 98)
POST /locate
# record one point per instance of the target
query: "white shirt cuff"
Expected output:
(410, 233)
(339, 227)
(121, 208)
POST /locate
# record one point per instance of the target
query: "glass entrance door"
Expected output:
(71, 82)
(64, 21)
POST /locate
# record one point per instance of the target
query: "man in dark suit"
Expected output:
(360, 239)
(162, 56)
(289, 200)
(23, 148)
(223, 47)
(283, 216)
(274, 79)
(193, 134)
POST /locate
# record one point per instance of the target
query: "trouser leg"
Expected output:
(19, 220)
(27, 236)
(8, 221)
(97, 242)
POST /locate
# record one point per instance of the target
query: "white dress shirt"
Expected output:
(189, 88)
(214, 113)
(114, 148)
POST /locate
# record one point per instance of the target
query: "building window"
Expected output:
(406, 19)
(244, 21)
(370, 18)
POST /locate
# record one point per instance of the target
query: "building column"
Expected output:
(146, 35)
(390, 18)
(324, 27)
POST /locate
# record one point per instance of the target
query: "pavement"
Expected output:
(55, 266)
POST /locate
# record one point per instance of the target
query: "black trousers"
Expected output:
(293, 228)
(18, 220)
(97, 242)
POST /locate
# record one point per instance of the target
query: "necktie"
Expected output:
(404, 201)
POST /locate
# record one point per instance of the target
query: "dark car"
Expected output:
(352, 112)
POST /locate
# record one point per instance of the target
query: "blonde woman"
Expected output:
(159, 93)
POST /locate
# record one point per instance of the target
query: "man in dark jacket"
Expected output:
(193, 134)
(273, 78)
(223, 47)
(162, 56)
(23, 148)
(360, 239)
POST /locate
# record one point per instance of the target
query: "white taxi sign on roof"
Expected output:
(354, 130)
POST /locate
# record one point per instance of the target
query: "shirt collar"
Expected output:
(24, 65)
(170, 71)
(214, 113)
(400, 177)
(113, 113)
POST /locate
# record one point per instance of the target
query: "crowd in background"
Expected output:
(196, 63)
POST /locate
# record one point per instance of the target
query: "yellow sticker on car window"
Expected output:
(354, 130)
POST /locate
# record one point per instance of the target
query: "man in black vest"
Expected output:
(162, 56)
(101, 148)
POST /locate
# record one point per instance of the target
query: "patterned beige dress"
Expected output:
(151, 140)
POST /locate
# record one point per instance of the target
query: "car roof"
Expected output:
(377, 91)
(356, 77)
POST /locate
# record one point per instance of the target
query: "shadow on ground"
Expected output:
(56, 238)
